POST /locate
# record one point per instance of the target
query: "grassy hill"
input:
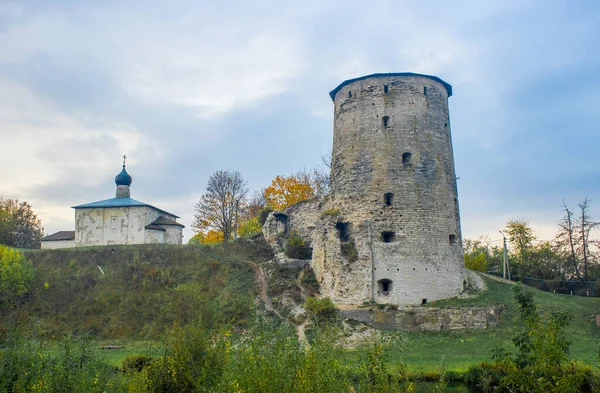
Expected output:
(136, 292)
(423, 351)
(143, 290)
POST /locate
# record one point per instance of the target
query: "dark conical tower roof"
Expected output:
(123, 178)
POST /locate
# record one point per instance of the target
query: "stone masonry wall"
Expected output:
(389, 232)
(421, 319)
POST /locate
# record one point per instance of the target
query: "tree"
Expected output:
(219, 208)
(210, 237)
(19, 226)
(567, 237)
(585, 224)
(521, 237)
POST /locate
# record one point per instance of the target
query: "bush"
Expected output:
(331, 212)
(349, 251)
(136, 363)
(296, 248)
(16, 276)
(309, 282)
(27, 366)
(322, 310)
(476, 262)
(262, 216)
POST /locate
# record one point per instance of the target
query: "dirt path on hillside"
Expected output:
(261, 283)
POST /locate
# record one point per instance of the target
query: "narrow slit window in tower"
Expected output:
(388, 198)
(406, 157)
(385, 286)
(386, 121)
(349, 94)
(386, 88)
(425, 90)
(388, 236)
(452, 239)
(343, 231)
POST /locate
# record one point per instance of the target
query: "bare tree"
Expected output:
(326, 158)
(585, 224)
(219, 207)
(566, 238)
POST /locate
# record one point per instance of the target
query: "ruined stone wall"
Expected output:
(393, 169)
(389, 232)
(421, 319)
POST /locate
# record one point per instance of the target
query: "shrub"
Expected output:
(136, 363)
(262, 216)
(331, 212)
(296, 248)
(16, 276)
(322, 310)
(349, 251)
(476, 262)
(309, 281)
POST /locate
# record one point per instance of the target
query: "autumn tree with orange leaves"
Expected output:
(285, 191)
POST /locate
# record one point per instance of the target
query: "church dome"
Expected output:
(123, 178)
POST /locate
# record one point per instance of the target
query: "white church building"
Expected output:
(119, 220)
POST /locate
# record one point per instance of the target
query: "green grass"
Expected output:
(145, 289)
(461, 349)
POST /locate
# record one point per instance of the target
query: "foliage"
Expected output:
(144, 289)
(194, 361)
(477, 262)
(309, 281)
(321, 310)
(27, 366)
(250, 227)
(286, 191)
(220, 206)
(542, 362)
(16, 276)
(373, 372)
(493, 256)
(521, 237)
(210, 237)
(136, 363)
(349, 251)
(262, 216)
(331, 212)
(19, 226)
(297, 248)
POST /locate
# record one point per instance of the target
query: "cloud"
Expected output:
(186, 88)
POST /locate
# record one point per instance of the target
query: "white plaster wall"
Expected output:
(56, 244)
(121, 225)
(154, 236)
(172, 235)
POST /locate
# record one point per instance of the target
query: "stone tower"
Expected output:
(389, 231)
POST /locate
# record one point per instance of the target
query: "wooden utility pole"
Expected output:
(505, 267)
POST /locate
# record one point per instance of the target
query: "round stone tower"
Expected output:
(393, 179)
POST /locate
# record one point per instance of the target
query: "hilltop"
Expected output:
(135, 293)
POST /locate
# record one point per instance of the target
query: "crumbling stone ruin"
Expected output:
(389, 231)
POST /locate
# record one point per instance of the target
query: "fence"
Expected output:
(578, 288)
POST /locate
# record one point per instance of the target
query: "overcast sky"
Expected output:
(185, 88)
